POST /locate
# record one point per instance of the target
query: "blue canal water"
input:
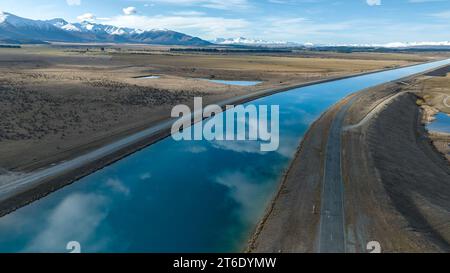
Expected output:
(188, 196)
(441, 124)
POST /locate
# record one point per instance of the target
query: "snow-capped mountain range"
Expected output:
(87, 26)
(245, 41)
(257, 42)
(397, 44)
(15, 29)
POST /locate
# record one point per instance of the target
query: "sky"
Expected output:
(303, 21)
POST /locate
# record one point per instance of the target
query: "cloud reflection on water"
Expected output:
(75, 218)
(240, 186)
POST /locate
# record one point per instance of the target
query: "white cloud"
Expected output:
(145, 176)
(196, 149)
(77, 217)
(425, 1)
(188, 13)
(442, 15)
(117, 186)
(373, 2)
(212, 4)
(73, 2)
(295, 29)
(203, 26)
(129, 11)
(248, 147)
(86, 17)
(209, 27)
(240, 186)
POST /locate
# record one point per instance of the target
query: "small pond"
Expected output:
(441, 124)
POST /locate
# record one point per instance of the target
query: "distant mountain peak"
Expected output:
(58, 22)
(70, 27)
(13, 27)
(3, 16)
(159, 29)
(246, 41)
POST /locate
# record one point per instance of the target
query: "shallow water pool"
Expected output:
(441, 124)
(238, 83)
